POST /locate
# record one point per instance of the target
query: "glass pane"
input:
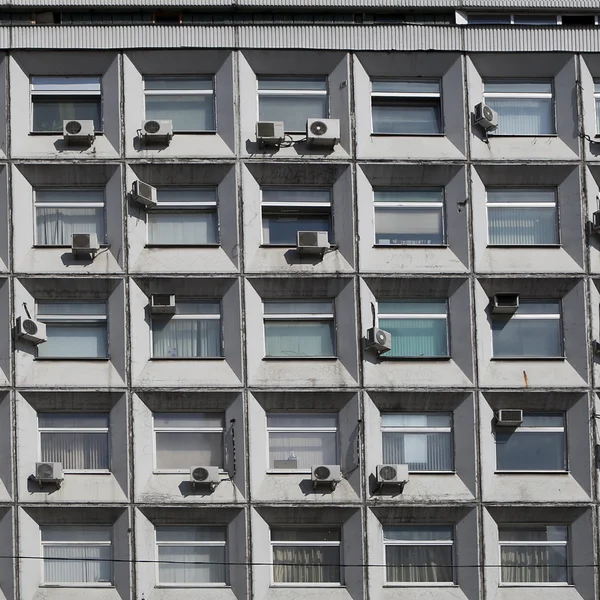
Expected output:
(406, 86)
(526, 338)
(419, 532)
(597, 115)
(79, 533)
(197, 307)
(185, 196)
(296, 195)
(513, 86)
(183, 564)
(418, 564)
(530, 451)
(71, 308)
(523, 116)
(182, 450)
(298, 307)
(409, 226)
(66, 84)
(521, 195)
(314, 534)
(188, 420)
(76, 450)
(77, 564)
(301, 421)
(522, 226)
(416, 420)
(73, 420)
(55, 226)
(299, 339)
(292, 110)
(178, 83)
(306, 564)
(409, 195)
(532, 533)
(417, 338)
(191, 228)
(302, 450)
(535, 20)
(49, 112)
(282, 228)
(534, 564)
(491, 19)
(543, 420)
(407, 307)
(538, 307)
(68, 196)
(74, 340)
(421, 451)
(186, 338)
(187, 533)
(406, 116)
(189, 112)
(273, 83)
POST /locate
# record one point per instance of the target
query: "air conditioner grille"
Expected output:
(309, 238)
(487, 113)
(388, 473)
(322, 473)
(73, 127)
(161, 300)
(200, 474)
(45, 471)
(29, 326)
(511, 415)
(152, 127)
(318, 128)
(265, 129)
(81, 240)
(381, 337)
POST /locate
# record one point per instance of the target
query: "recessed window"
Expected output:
(194, 331)
(522, 217)
(419, 328)
(61, 213)
(524, 107)
(74, 329)
(534, 554)
(287, 211)
(77, 555)
(538, 444)
(533, 331)
(409, 217)
(301, 441)
(597, 102)
(190, 555)
(79, 441)
(306, 555)
(184, 440)
(299, 329)
(184, 217)
(186, 101)
(423, 441)
(58, 99)
(292, 101)
(405, 107)
(419, 554)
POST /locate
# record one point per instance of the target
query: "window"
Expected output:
(534, 554)
(418, 554)
(186, 101)
(300, 441)
(597, 100)
(299, 329)
(423, 441)
(409, 217)
(184, 217)
(74, 329)
(523, 107)
(77, 555)
(522, 217)
(306, 555)
(194, 331)
(184, 440)
(405, 107)
(538, 444)
(61, 213)
(285, 212)
(419, 328)
(191, 555)
(79, 441)
(292, 101)
(58, 99)
(517, 19)
(533, 331)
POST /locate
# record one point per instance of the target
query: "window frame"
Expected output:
(225, 544)
(184, 92)
(597, 100)
(330, 543)
(190, 429)
(184, 208)
(386, 543)
(407, 96)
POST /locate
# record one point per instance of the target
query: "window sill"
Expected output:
(419, 246)
(74, 358)
(285, 358)
(182, 246)
(187, 358)
(528, 358)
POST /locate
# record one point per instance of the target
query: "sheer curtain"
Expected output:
(76, 450)
(180, 450)
(534, 564)
(300, 338)
(55, 226)
(183, 569)
(74, 340)
(306, 564)
(419, 564)
(523, 116)
(183, 228)
(522, 226)
(80, 564)
(310, 448)
(421, 451)
(416, 337)
(186, 338)
(404, 225)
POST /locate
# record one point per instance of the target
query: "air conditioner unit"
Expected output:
(323, 132)
(312, 242)
(158, 132)
(162, 304)
(509, 417)
(48, 472)
(396, 475)
(505, 303)
(379, 340)
(144, 193)
(30, 330)
(78, 132)
(326, 475)
(84, 243)
(486, 117)
(596, 221)
(270, 133)
(205, 476)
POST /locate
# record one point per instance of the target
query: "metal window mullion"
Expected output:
(389, 542)
(413, 316)
(392, 429)
(521, 204)
(284, 205)
(518, 95)
(423, 95)
(175, 92)
(69, 204)
(549, 317)
(292, 92)
(539, 429)
(65, 93)
(188, 430)
(193, 544)
(211, 317)
(301, 430)
(315, 317)
(304, 543)
(379, 204)
(73, 318)
(183, 205)
(535, 543)
(75, 543)
(72, 430)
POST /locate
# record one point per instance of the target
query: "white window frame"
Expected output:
(386, 543)
(313, 544)
(554, 205)
(325, 317)
(425, 429)
(59, 204)
(193, 317)
(562, 544)
(305, 429)
(183, 208)
(103, 584)
(89, 86)
(596, 98)
(224, 544)
(191, 429)
(42, 430)
(409, 95)
(184, 92)
(556, 429)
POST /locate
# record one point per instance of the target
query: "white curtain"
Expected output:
(523, 116)
(183, 228)
(310, 448)
(181, 450)
(183, 569)
(534, 564)
(418, 226)
(300, 338)
(421, 451)
(56, 225)
(522, 226)
(416, 337)
(80, 564)
(186, 338)
(306, 564)
(419, 564)
(77, 450)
